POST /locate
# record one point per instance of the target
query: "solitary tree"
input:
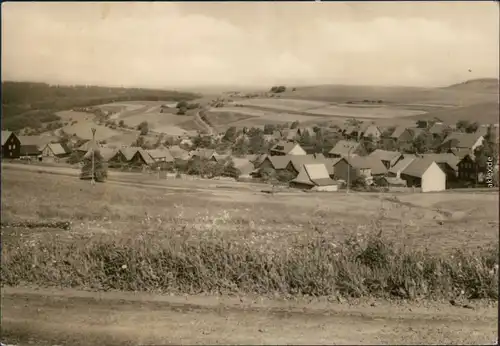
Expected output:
(100, 169)
(143, 127)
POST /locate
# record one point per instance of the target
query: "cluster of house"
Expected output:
(348, 160)
(345, 163)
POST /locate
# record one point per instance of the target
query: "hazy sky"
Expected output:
(255, 44)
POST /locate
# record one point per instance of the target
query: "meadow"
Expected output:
(227, 238)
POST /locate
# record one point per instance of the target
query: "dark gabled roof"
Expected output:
(145, 156)
(129, 152)
(448, 158)
(342, 147)
(363, 162)
(418, 167)
(463, 140)
(385, 155)
(30, 149)
(203, 153)
(57, 148)
(39, 141)
(279, 162)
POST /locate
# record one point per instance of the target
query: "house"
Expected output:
(11, 145)
(85, 147)
(106, 153)
(395, 171)
(349, 169)
(388, 158)
(459, 152)
(467, 169)
(161, 154)
(272, 165)
(55, 151)
(296, 163)
(438, 129)
(123, 155)
(459, 140)
(142, 158)
(314, 177)
(30, 150)
(178, 153)
(390, 182)
(30, 142)
(425, 174)
(287, 148)
(345, 148)
(448, 164)
(402, 134)
(204, 154)
(370, 131)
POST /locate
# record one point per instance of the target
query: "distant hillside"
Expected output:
(484, 113)
(26, 104)
(450, 96)
(482, 85)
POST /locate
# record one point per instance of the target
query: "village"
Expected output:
(431, 156)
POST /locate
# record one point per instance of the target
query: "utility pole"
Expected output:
(348, 169)
(93, 154)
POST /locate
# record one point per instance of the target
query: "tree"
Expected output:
(472, 127)
(75, 157)
(353, 122)
(182, 104)
(306, 139)
(295, 124)
(370, 143)
(100, 169)
(269, 129)
(422, 143)
(462, 125)
(230, 170)
(486, 155)
(257, 143)
(241, 146)
(143, 127)
(230, 134)
(421, 124)
(181, 111)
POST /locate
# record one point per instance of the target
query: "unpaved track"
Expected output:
(67, 317)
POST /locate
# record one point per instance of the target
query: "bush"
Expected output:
(179, 262)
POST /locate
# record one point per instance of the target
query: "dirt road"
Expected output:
(49, 317)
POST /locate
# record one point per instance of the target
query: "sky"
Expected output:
(165, 45)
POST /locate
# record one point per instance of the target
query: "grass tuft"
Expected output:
(369, 265)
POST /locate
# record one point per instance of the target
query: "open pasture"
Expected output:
(283, 104)
(364, 112)
(245, 116)
(242, 213)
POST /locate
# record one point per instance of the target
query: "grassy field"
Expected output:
(233, 238)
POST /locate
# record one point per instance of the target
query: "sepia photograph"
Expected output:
(250, 172)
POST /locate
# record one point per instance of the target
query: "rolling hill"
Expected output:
(483, 113)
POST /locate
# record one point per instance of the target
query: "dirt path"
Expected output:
(84, 318)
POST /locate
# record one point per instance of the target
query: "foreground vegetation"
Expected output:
(149, 239)
(181, 263)
(26, 104)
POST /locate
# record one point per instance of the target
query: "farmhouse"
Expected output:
(287, 148)
(272, 165)
(459, 140)
(142, 158)
(347, 148)
(314, 177)
(388, 158)
(468, 170)
(297, 162)
(206, 154)
(370, 131)
(106, 153)
(425, 174)
(438, 129)
(395, 171)
(402, 134)
(448, 164)
(124, 155)
(178, 153)
(161, 154)
(55, 151)
(11, 145)
(349, 169)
